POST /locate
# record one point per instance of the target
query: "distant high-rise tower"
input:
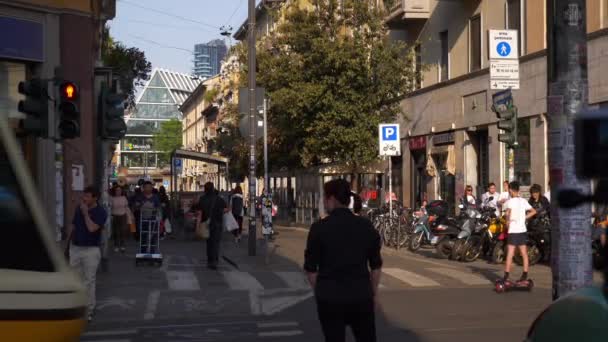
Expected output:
(208, 58)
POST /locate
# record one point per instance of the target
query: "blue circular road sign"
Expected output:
(503, 49)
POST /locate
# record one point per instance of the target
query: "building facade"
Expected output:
(208, 58)
(450, 139)
(38, 36)
(158, 102)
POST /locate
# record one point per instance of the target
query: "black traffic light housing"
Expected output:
(68, 109)
(35, 106)
(112, 125)
(506, 112)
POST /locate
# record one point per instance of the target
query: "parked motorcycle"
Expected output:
(433, 227)
(539, 240)
(481, 238)
(468, 222)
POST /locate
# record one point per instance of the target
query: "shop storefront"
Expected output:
(418, 173)
(442, 166)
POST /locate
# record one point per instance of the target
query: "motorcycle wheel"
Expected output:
(403, 237)
(498, 253)
(457, 249)
(472, 249)
(534, 256)
(444, 248)
(416, 241)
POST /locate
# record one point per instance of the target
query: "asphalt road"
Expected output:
(422, 298)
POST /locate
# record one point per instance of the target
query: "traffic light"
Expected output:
(507, 115)
(68, 110)
(111, 112)
(35, 106)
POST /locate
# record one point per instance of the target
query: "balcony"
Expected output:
(405, 10)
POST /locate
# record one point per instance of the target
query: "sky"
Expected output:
(166, 30)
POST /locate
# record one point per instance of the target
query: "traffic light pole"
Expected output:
(567, 91)
(252, 240)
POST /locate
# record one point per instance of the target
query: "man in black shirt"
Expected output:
(345, 288)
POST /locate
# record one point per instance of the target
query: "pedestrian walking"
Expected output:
(212, 208)
(345, 280)
(120, 210)
(518, 210)
(238, 211)
(145, 201)
(85, 242)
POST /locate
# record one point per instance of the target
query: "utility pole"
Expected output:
(567, 91)
(252, 140)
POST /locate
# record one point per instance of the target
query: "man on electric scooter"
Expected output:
(518, 210)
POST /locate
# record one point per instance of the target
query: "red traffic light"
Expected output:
(68, 91)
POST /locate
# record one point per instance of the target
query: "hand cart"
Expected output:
(149, 238)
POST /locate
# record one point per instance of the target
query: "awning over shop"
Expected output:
(200, 156)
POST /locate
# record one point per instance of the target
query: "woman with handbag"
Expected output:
(210, 222)
(236, 204)
(120, 208)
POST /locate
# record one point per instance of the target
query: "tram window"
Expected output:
(21, 246)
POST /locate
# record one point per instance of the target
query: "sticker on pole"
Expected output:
(390, 144)
(503, 44)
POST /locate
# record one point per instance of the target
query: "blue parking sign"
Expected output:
(389, 140)
(390, 133)
(177, 163)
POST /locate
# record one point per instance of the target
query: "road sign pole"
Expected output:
(252, 240)
(567, 97)
(390, 186)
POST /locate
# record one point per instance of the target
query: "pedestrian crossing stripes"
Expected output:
(395, 278)
(410, 278)
(465, 277)
(238, 280)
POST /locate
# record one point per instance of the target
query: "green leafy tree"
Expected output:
(128, 63)
(167, 139)
(332, 75)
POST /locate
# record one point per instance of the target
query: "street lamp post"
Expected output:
(252, 139)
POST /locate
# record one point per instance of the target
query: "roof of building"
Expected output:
(180, 85)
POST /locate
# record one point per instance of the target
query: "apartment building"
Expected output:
(37, 37)
(450, 138)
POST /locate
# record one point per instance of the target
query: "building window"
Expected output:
(418, 53)
(605, 13)
(10, 76)
(514, 18)
(445, 51)
(475, 43)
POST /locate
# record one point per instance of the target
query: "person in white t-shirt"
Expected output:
(504, 196)
(485, 199)
(518, 210)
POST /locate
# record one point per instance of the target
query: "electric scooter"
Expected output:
(502, 285)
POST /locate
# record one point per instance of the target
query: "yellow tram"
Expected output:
(41, 299)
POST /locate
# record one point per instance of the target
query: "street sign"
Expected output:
(260, 93)
(244, 126)
(504, 69)
(389, 142)
(177, 165)
(504, 44)
(504, 84)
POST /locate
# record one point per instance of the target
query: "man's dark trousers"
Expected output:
(213, 245)
(336, 316)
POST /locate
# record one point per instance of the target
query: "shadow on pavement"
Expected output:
(487, 273)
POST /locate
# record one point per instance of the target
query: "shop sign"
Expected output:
(417, 143)
(443, 138)
(26, 44)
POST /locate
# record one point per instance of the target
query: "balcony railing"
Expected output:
(409, 9)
